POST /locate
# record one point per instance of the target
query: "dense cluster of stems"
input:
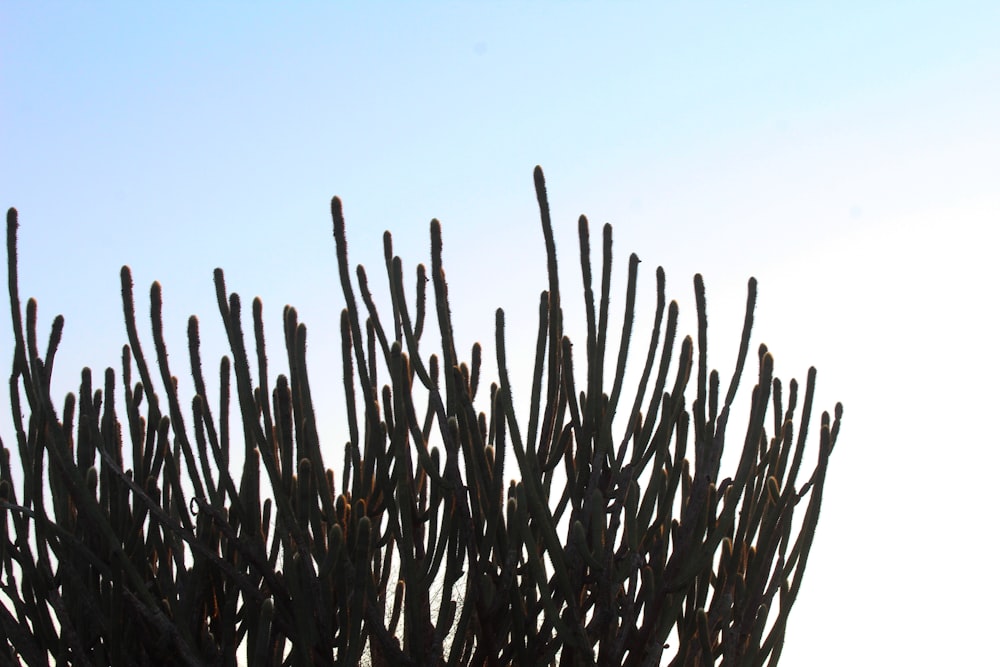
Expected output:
(611, 538)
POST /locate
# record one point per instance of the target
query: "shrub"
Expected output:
(611, 533)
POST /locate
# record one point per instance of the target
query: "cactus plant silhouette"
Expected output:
(597, 529)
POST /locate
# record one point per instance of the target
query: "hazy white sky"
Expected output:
(845, 154)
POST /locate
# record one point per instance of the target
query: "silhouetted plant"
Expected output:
(610, 533)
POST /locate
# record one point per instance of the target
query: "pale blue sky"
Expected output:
(846, 154)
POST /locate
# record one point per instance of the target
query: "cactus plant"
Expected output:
(594, 530)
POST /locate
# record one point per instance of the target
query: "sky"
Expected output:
(845, 154)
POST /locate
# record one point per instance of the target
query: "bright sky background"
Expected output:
(845, 154)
